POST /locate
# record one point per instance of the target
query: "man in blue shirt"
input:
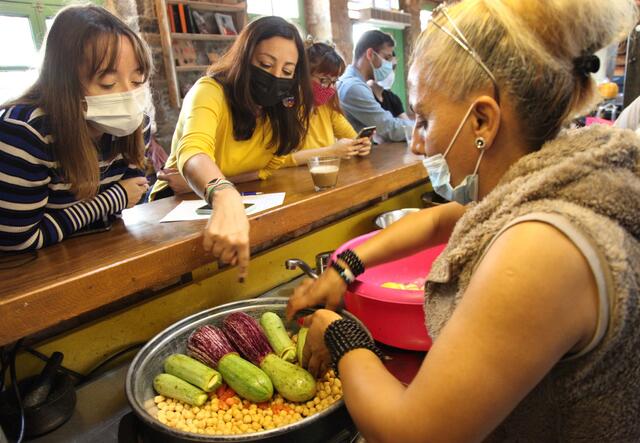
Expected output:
(372, 61)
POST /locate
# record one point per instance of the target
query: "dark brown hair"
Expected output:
(324, 59)
(373, 39)
(82, 40)
(288, 125)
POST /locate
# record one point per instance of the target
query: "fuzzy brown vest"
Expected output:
(591, 177)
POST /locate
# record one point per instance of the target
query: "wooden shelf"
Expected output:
(202, 37)
(207, 6)
(168, 38)
(195, 68)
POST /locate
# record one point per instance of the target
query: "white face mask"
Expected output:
(118, 114)
(440, 177)
(387, 83)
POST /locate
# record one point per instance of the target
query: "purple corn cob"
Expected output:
(208, 344)
(247, 336)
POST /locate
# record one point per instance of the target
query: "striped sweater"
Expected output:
(36, 207)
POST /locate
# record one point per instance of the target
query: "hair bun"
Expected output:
(586, 64)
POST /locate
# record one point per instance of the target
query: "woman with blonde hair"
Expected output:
(534, 305)
(72, 146)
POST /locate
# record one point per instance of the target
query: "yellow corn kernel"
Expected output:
(158, 399)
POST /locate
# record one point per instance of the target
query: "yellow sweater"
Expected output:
(325, 126)
(205, 126)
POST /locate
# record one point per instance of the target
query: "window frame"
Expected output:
(300, 22)
(37, 12)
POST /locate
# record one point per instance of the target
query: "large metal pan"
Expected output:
(320, 427)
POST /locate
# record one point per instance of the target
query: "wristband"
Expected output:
(215, 185)
(345, 335)
(353, 261)
(345, 274)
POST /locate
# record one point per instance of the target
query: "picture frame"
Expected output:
(225, 24)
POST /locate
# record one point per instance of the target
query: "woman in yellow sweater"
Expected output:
(329, 132)
(238, 124)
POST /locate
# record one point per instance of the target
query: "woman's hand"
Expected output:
(326, 290)
(346, 148)
(227, 232)
(135, 188)
(365, 146)
(175, 180)
(315, 356)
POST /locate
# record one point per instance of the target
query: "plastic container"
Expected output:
(394, 317)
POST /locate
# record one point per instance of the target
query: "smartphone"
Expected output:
(93, 228)
(367, 131)
(206, 209)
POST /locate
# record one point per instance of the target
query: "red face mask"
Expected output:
(321, 95)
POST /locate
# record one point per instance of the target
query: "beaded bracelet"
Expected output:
(345, 274)
(215, 185)
(353, 261)
(345, 335)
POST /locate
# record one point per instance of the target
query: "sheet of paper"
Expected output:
(186, 210)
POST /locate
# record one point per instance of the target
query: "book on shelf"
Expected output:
(225, 24)
(175, 14)
(183, 19)
(172, 24)
(191, 26)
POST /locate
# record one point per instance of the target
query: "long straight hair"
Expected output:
(324, 59)
(288, 125)
(82, 41)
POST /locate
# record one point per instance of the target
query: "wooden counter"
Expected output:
(82, 274)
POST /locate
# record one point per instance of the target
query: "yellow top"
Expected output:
(205, 126)
(325, 126)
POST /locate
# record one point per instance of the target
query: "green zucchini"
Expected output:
(292, 382)
(178, 389)
(248, 380)
(302, 338)
(277, 336)
(192, 371)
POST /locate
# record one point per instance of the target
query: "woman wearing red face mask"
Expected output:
(329, 133)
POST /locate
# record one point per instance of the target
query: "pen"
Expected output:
(250, 193)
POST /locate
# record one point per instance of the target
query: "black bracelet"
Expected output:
(346, 275)
(353, 261)
(345, 335)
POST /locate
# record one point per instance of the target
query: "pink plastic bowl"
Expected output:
(395, 317)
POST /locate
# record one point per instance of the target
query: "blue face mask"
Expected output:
(385, 70)
(440, 177)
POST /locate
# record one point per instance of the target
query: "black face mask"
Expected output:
(268, 90)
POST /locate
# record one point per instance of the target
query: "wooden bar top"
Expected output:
(84, 273)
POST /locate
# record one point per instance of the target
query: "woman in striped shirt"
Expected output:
(72, 146)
